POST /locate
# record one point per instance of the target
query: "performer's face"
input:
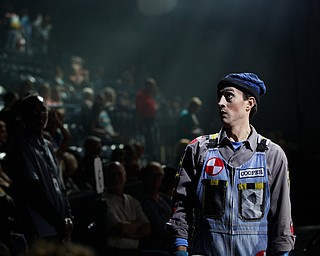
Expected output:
(233, 109)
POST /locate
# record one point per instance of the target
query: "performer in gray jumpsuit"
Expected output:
(232, 194)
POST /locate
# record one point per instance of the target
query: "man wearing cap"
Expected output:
(232, 189)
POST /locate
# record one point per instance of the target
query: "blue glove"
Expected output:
(180, 253)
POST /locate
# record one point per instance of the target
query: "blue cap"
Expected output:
(247, 82)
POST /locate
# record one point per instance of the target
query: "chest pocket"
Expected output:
(214, 198)
(251, 200)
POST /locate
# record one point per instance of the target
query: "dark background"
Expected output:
(189, 47)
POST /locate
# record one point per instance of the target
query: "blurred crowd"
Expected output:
(24, 32)
(116, 143)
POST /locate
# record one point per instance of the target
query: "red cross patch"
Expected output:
(214, 166)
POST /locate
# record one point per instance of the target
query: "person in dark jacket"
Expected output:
(44, 211)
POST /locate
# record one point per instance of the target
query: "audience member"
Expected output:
(70, 166)
(42, 27)
(101, 125)
(146, 109)
(26, 28)
(36, 34)
(156, 208)
(132, 164)
(132, 161)
(75, 179)
(86, 103)
(46, 28)
(189, 126)
(111, 106)
(126, 223)
(110, 95)
(57, 131)
(36, 187)
(14, 32)
(79, 77)
(128, 76)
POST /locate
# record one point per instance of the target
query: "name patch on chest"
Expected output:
(251, 173)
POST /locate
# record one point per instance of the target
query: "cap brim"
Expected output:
(239, 84)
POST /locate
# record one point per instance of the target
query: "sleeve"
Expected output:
(281, 237)
(183, 199)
